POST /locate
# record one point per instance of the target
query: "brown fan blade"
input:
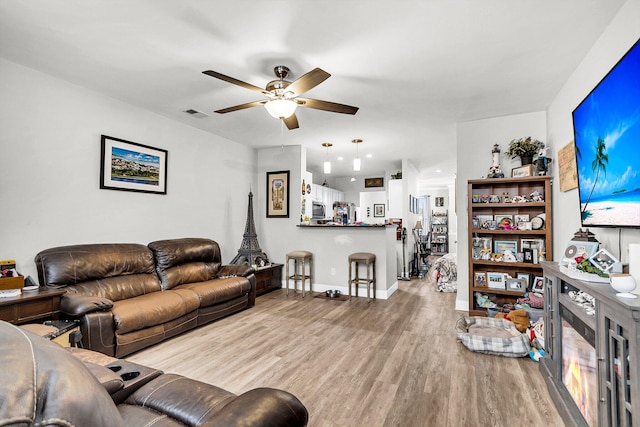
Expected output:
(241, 106)
(326, 106)
(291, 122)
(310, 80)
(235, 81)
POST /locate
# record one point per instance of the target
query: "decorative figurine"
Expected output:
(542, 163)
(495, 171)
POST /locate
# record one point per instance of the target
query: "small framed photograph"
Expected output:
(532, 244)
(517, 219)
(500, 246)
(496, 280)
(479, 279)
(578, 248)
(603, 259)
(515, 284)
(484, 220)
(522, 171)
(378, 210)
(525, 225)
(538, 284)
(530, 255)
(526, 277)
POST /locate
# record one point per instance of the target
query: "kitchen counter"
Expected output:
(332, 246)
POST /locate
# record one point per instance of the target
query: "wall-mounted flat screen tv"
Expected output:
(606, 128)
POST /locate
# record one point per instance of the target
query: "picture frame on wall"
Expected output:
(373, 182)
(278, 194)
(378, 210)
(129, 166)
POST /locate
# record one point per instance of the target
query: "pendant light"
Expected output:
(327, 163)
(356, 161)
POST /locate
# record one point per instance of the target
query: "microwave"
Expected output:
(318, 210)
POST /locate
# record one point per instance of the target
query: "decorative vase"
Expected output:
(526, 160)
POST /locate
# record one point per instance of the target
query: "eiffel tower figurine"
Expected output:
(250, 252)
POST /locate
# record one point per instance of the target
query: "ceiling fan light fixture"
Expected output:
(281, 108)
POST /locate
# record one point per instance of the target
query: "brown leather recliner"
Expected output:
(129, 296)
(44, 384)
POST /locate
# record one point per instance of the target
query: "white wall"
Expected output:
(619, 36)
(476, 140)
(50, 145)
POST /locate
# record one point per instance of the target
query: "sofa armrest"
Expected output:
(236, 270)
(261, 407)
(77, 305)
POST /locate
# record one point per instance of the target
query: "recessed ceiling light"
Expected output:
(340, 158)
(352, 179)
(369, 156)
(438, 170)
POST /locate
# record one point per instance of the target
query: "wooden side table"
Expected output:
(268, 279)
(33, 306)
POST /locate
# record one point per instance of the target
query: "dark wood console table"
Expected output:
(33, 306)
(268, 279)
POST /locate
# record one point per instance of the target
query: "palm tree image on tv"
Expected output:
(598, 164)
(607, 138)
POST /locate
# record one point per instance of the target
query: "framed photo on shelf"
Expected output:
(129, 166)
(515, 284)
(526, 277)
(530, 255)
(499, 218)
(484, 220)
(278, 194)
(496, 280)
(479, 279)
(603, 260)
(538, 284)
(517, 219)
(500, 246)
(522, 171)
(532, 244)
(576, 248)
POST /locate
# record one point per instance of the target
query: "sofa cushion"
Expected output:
(114, 271)
(219, 290)
(188, 260)
(153, 309)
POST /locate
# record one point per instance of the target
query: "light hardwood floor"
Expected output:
(392, 362)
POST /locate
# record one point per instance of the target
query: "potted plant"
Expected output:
(525, 148)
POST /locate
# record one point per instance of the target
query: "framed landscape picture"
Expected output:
(278, 194)
(129, 166)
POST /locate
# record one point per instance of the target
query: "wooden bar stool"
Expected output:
(369, 260)
(299, 258)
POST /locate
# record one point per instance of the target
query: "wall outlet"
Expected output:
(333, 271)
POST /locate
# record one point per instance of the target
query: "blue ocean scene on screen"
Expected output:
(607, 138)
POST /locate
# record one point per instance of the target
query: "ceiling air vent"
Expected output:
(195, 113)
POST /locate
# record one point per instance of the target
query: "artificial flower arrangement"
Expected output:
(524, 147)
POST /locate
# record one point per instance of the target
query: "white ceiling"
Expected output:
(414, 67)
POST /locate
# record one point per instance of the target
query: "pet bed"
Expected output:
(492, 336)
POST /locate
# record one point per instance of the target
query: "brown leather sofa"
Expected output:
(130, 296)
(44, 384)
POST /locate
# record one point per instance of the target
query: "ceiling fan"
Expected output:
(284, 96)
